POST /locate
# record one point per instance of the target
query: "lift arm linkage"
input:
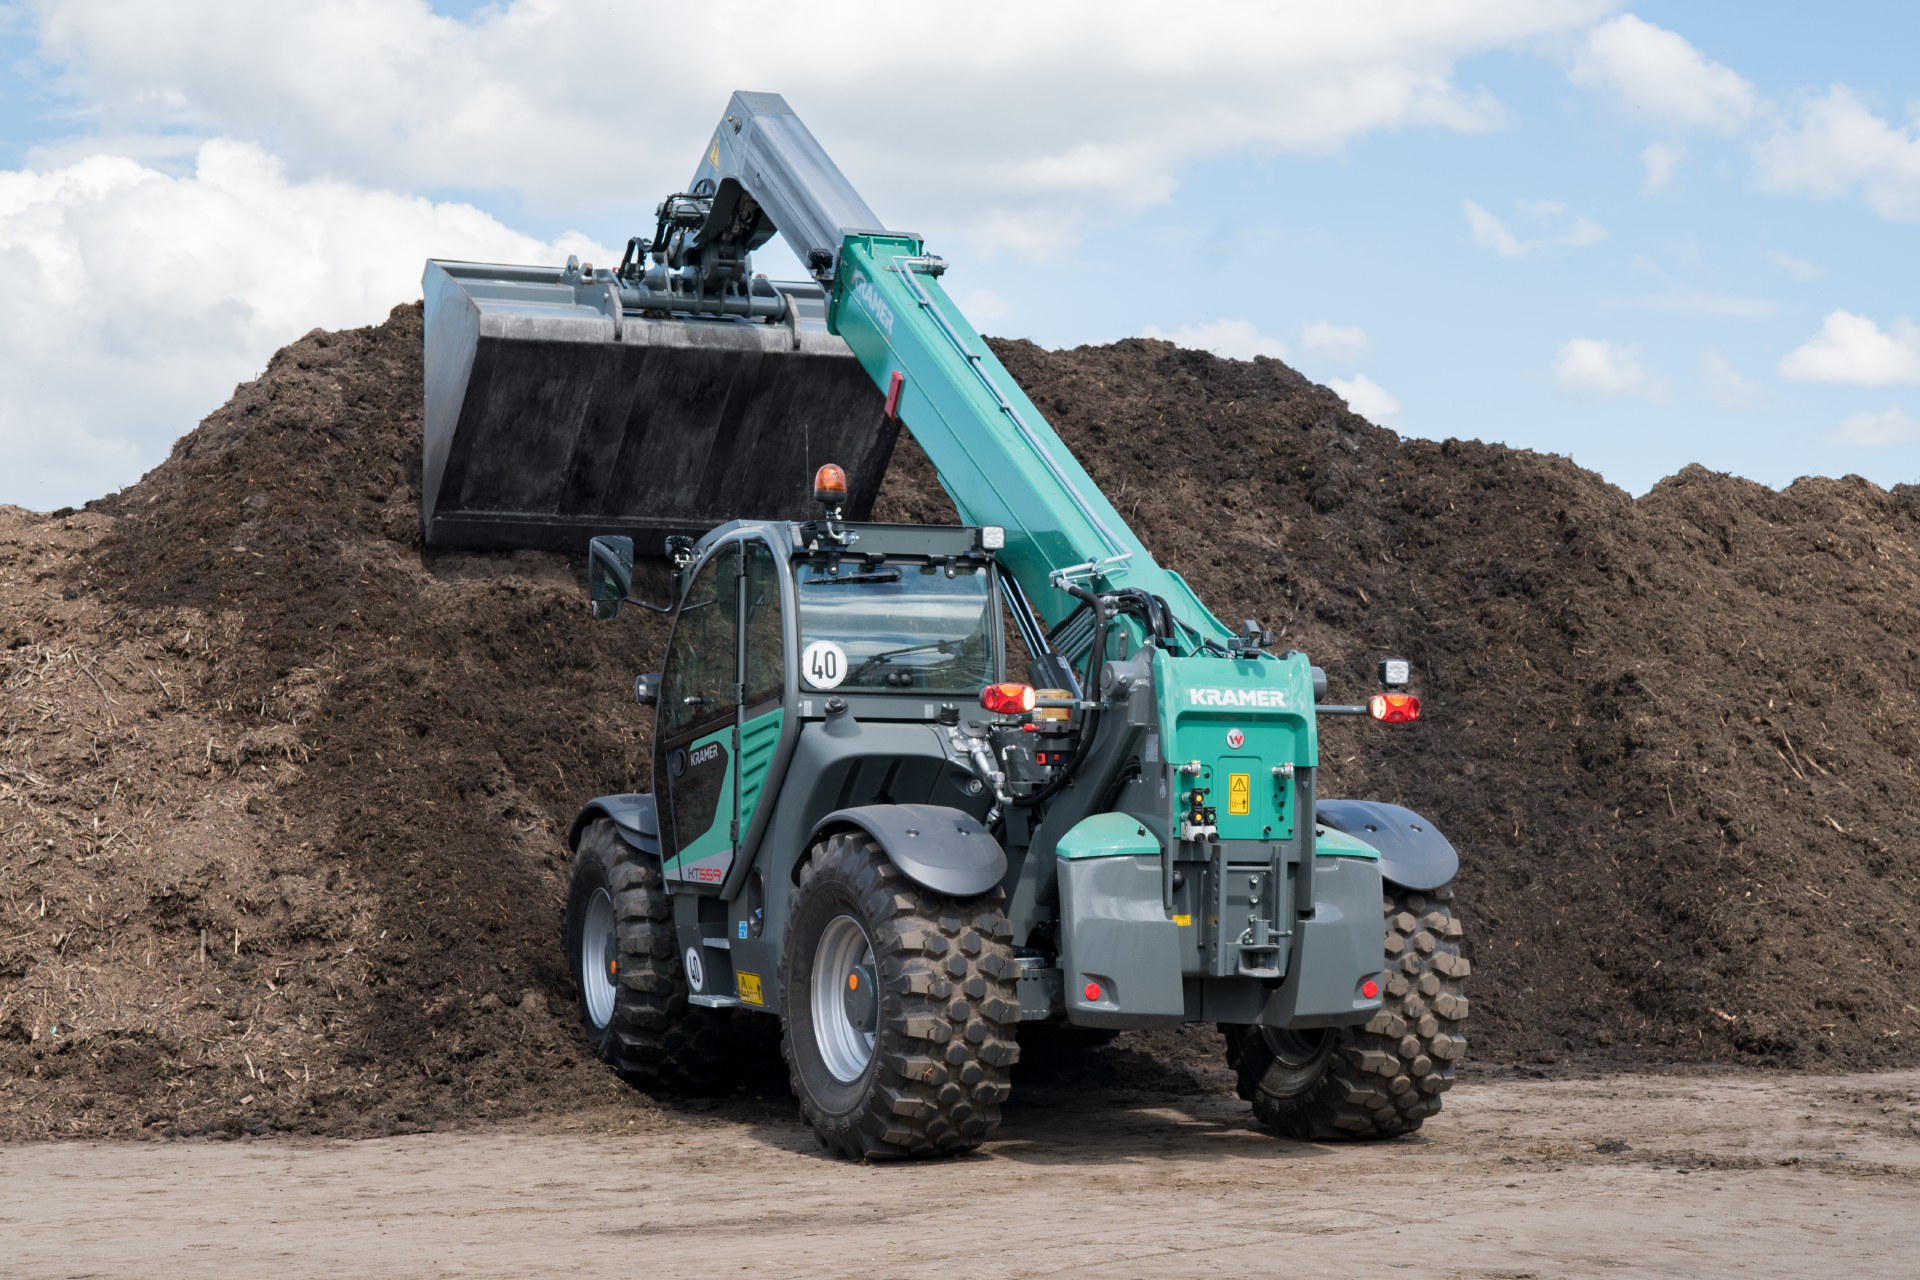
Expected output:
(995, 453)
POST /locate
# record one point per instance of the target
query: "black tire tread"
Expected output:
(949, 1008)
(656, 1039)
(1385, 1078)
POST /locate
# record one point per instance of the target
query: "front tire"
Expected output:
(626, 967)
(1382, 1079)
(899, 1007)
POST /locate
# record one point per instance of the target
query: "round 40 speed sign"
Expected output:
(823, 665)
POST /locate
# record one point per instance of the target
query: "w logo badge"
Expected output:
(1236, 739)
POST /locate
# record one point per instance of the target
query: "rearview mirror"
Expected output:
(609, 575)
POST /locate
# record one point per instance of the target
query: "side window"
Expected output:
(699, 678)
(766, 641)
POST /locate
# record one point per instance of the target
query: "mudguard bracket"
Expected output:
(939, 848)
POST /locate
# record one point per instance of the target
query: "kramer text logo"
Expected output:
(1236, 697)
(876, 306)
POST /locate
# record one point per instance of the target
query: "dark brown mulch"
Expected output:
(1671, 737)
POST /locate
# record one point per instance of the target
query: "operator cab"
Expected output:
(784, 630)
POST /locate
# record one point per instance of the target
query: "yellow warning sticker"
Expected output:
(713, 158)
(1240, 793)
(750, 989)
(1183, 921)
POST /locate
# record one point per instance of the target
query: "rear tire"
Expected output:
(923, 1072)
(1382, 1079)
(627, 970)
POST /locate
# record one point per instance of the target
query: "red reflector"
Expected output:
(1369, 989)
(1093, 991)
(1394, 708)
(830, 485)
(893, 393)
(1007, 699)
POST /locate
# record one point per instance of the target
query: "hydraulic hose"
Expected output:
(1098, 651)
(1092, 720)
(1065, 775)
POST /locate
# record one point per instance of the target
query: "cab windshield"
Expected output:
(896, 626)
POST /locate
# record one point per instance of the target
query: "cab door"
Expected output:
(695, 749)
(763, 678)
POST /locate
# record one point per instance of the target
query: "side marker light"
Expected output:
(1093, 991)
(1394, 708)
(1369, 989)
(1008, 699)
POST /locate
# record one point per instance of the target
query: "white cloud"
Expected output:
(1853, 349)
(358, 98)
(391, 95)
(1232, 339)
(1834, 145)
(1725, 385)
(136, 299)
(1656, 74)
(1585, 232)
(1881, 430)
(1335, 341)
(1591, 367)
(1491, 233)
(1659, 160)
(1367, 398)
(1799, 270)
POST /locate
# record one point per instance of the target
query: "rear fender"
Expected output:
(938, 848)
(632, 815)
(1413, 853)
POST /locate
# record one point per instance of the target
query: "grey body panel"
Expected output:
(633, 814)
(763, 149)
(939, 848)
(1116, 934)
(846, 763)
(1334, 951)
(1413, 853)
(546, 425)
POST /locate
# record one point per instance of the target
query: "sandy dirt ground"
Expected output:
(1658, 1175)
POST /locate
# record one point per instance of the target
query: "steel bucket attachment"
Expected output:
(553, 413)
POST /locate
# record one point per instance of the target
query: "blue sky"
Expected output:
(1641, 236)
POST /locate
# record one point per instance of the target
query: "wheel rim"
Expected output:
(843, 952)
(1295, 1049)
(599, 956)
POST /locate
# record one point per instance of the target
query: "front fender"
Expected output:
(939, 848)
(632, 814)
(1413, 853)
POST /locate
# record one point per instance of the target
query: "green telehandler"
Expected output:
(858, 822)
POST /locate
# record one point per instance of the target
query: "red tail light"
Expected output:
(1007, 699)
(1394, 708)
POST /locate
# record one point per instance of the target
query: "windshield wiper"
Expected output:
(885, 575)
(946, 647)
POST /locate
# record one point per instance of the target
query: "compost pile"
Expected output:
(283, 794)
